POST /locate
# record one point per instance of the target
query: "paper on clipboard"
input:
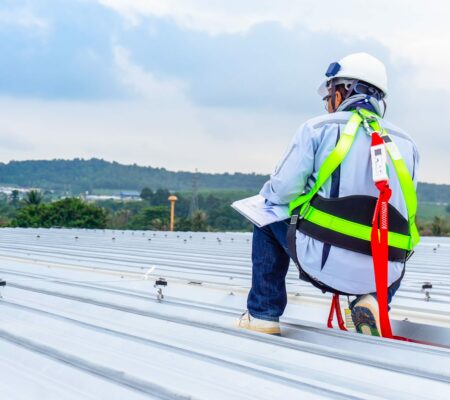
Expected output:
(258, 212)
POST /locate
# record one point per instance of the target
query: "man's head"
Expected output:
(356, 74)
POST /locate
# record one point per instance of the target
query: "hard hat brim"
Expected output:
(323, 89)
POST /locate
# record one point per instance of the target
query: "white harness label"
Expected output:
(379, 163)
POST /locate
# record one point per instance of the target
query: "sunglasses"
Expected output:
(359, 88)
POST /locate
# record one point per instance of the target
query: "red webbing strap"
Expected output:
(336, 305)
(331, 315)
(380, 248)
(379, 245)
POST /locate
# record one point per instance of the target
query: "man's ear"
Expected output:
(338, 99)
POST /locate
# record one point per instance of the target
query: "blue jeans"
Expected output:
(270, 258)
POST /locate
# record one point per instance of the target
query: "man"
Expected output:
(355, 84)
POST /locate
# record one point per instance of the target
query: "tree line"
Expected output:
(79, 175)
(72, 177)
(152, 213)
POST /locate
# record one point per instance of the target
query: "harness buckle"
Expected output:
(366, 120)
(367, 128)
(302, 215)
(408, 255)
(294, 219)
(297, 216)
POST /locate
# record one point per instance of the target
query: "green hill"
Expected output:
(79, 175)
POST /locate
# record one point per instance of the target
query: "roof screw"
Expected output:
(159, 284)
(2, 284)
(426, 287)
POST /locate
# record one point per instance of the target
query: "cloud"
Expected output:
(268, 67)
(183, 138)
(144, 85)
(416, 35)
(22, 17)
(14, 142)
(210, 16)
(209, 84)
(71, 58)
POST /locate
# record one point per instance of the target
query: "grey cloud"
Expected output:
(269, 67)
(11, 141)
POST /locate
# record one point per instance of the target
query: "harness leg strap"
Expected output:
(331, 315)
(337, 306)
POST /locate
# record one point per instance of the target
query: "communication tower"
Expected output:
(194, 200)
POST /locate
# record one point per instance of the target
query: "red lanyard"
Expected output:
(379, 245)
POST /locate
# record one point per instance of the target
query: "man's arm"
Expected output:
(291, 174)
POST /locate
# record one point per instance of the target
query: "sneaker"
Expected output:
(365, 316)
(246, 321)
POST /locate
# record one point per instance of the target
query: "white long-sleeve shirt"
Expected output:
(296, 173)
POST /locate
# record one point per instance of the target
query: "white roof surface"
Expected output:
(80, 319)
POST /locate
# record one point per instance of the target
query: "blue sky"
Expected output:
(218, 86)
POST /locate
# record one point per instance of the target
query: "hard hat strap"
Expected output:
(333, 96)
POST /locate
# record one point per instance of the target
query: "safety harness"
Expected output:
(360, 223)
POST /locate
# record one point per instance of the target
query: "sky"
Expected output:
(220, 86)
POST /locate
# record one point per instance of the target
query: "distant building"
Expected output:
(94, 197)
(7, 190)
(131, 195)
(122, 196)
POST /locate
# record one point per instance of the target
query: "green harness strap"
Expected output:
(404, 177)
(333, 160)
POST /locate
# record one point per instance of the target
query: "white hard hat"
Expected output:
(357, 66)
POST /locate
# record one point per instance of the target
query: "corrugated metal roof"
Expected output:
(80, 319)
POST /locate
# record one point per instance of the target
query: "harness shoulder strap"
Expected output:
(404, 177)
(301, 204)
(300, 207)
(333, 160)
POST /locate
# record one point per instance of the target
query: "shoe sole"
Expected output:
(268, 331)
(365, 321)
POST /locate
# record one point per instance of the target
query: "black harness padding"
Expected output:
(292, 247)
(356, 208)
